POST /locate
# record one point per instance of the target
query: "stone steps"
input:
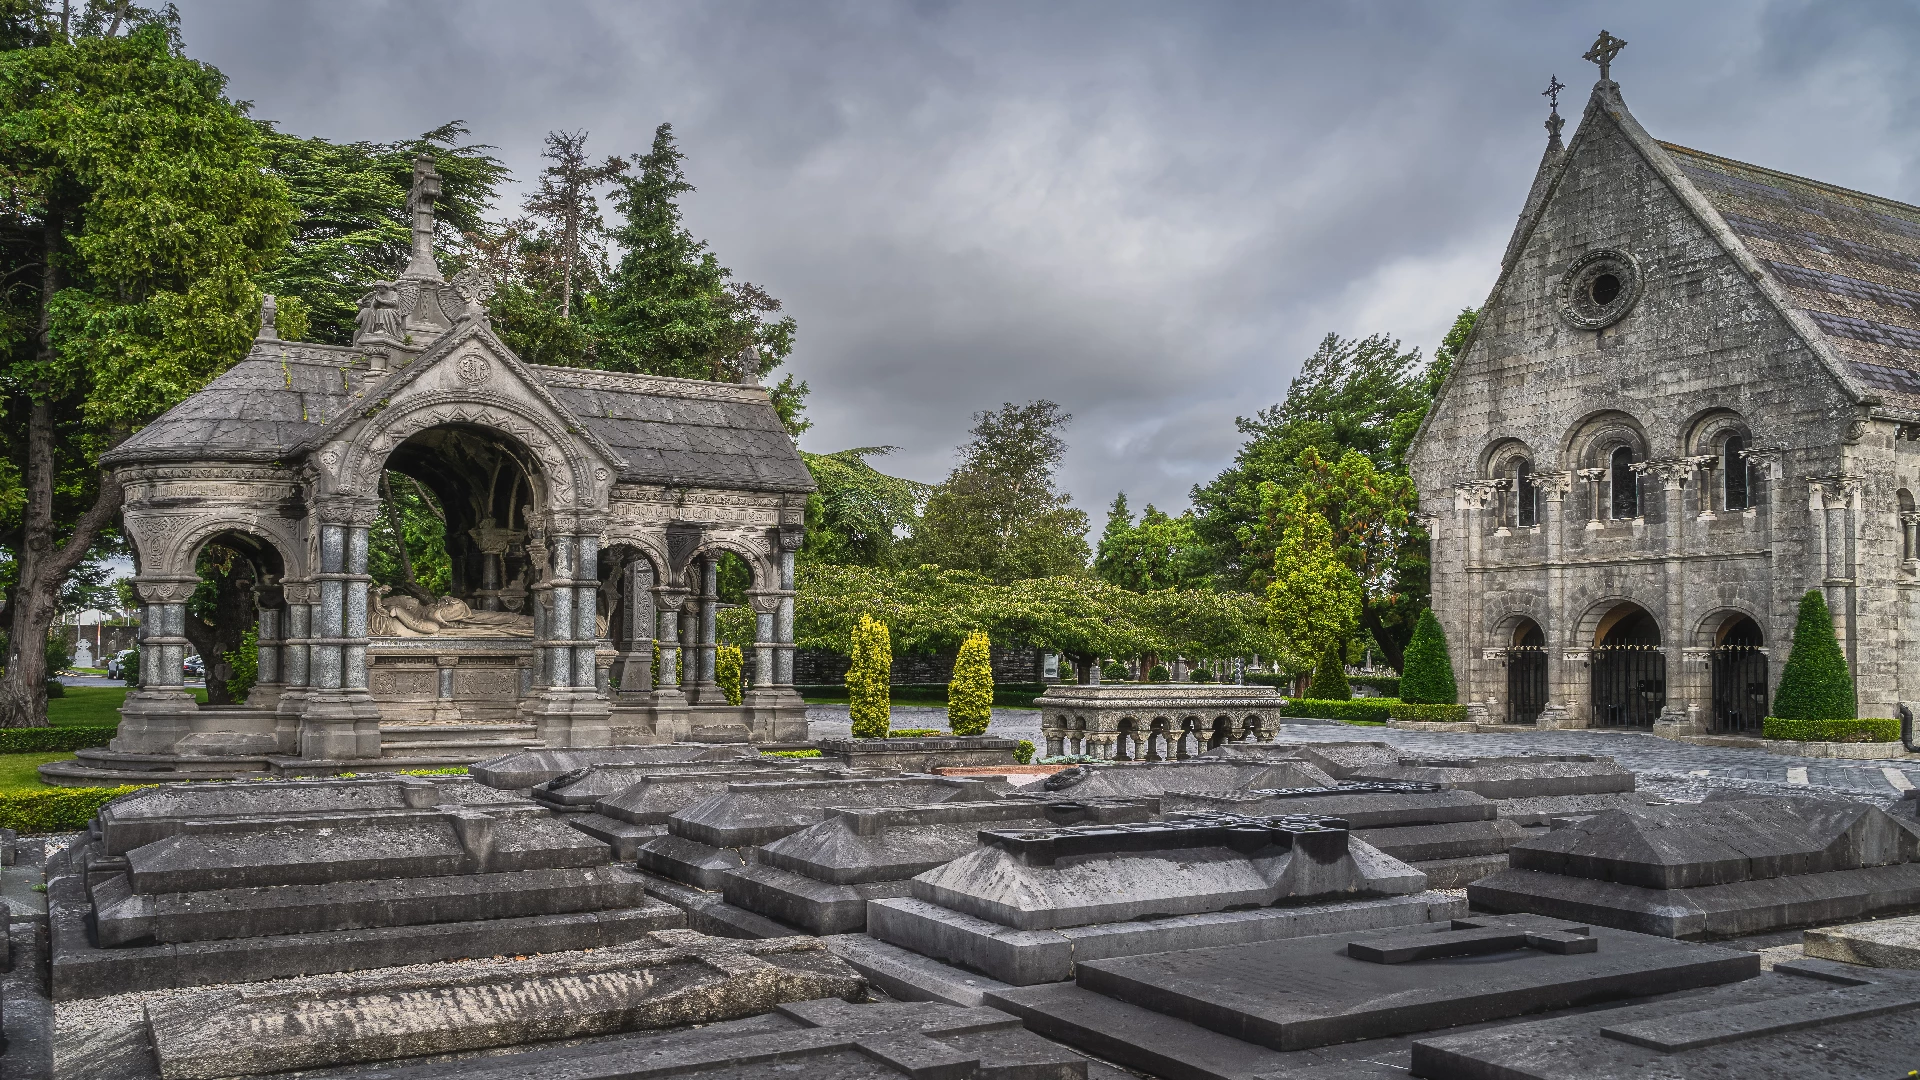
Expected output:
(423, 734)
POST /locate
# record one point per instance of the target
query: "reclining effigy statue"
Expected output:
(448, 616)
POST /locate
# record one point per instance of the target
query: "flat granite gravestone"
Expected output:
(1029, 904)
(827, 1039)
(1883, 943)
(820, 878)
(921, 754)
(1160, 777)
(1522, 776)
(626, 805)
(522, 769)
(1804, 1019)
(1714, 869)
(281, 888)
(667, 979)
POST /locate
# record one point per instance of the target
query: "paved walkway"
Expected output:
(1677, 770)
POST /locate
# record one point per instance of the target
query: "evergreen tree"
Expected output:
(727, 665)
(1330, 678)
(1427, 678)
(1816, 684)
(565, 201)
(140, 211)
(998, 513)
(1313, 603)
(1109, 558)
(858, 513)
(970, 694)
(869, 680)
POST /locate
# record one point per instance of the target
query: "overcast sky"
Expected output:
(1147, 212)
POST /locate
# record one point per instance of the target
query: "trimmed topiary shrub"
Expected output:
(867, 679)
(1159, 674)
(1857, 729)
(1815, 684)
(1427, 713)
(970, 694)
(56, 809)
(726, 671)
(1356, 710)
(1427, 678)
(1330, 679)
(1115, 671)
(1200, 674)
(1023, 753)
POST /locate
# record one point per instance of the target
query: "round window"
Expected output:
(1599, 288)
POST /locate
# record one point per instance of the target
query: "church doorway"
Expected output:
(1739, 666)
(1526, 674)
(1629, 670)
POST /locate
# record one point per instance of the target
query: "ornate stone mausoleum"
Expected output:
(1692, 396)
(586, 513)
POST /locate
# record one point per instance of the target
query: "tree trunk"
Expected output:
(1392, 645)
(233, 613)
(397, 521)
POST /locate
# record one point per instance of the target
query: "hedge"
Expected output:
(1366, 710)
(54, 740)
(56, 809)
(790, 753)
(1023, 753)
(916, 733)
(1862, 729)
(1430, 714)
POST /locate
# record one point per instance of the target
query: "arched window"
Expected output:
(1524, 495)
(1626, 486)
(1734, 466)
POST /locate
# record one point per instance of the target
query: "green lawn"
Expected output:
(86, 706)
(17, 771)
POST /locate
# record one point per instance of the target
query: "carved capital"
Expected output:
(300, 592)
(338, 510)
(1476, 494)
(164, 590)
(1555, 485)
(766, 603)
(670, 599)
(1765, 458)
(1592, 476)
(1671, 472)
(447, 661)
(786, 537)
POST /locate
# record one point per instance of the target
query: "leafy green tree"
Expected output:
(970, 693)
(139, 210)
(869, 680)
(1407, 422)
(1427, 678)
(1313, 602)
(1815, 684)
(1161, 552)
(407, 546)
(1376, 535)
(998, 513)
(1330, 679)
(859, 513)
(354, 228)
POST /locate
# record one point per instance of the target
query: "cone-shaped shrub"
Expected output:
(726, 671)
(1428, 675)
(1815, 685)
(867, 679)
(1330, 678)
(970, 694)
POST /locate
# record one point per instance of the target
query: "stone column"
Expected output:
(783, 625)
(445, 708)
(669, 602)
(493, 541)
(586, 610)
(571, 710)
(703, 690)
(1471, 500)
(160, 712)
(1597, 509)
(268, 601)
(1561, 710)
(766, 606)
(1771, 462)
(1910, 541)
(633, 668)
(295, 669)
(1683, 680)
(341, 720)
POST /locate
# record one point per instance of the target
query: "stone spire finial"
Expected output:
(426, 188)
(1605, 48)
(746, 366)
(1554, 121)
(268, 332)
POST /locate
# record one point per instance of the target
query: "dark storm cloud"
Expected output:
(1149, 213)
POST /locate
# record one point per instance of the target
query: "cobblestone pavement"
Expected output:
(1677, 770)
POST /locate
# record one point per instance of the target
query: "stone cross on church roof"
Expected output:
(426, 188)
(1554, 121)
(1605, 48)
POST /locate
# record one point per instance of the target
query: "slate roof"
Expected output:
(669, 431)
(1849, 261)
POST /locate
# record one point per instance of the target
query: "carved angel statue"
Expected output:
(380, 315)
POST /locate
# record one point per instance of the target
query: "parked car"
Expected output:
(117, 663)
(193, 667)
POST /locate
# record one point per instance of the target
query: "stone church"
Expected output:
(1692, 396)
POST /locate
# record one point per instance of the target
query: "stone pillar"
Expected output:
(445, 708)
(570, 709)
(1054, 734)
(703, 612)
(1597, 509)
(766, 605)
(493, 541)
(341, 721)
(160, 712)
(267, 684)
(1910, 541)
(633, 668)
(586, 610)
(669, 602)
(1683, 679)
(295, 668)
(1562, 709)
(1471, 500)
(783, 625)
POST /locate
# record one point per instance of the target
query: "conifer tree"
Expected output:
(970, 694)
(1815, 684)
(1330, 678)
(1427, 678)
(868, 679)
(726, 671)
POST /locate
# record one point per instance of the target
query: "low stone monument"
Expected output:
(521, 770)
(1029, 905)
(195, 885)
(1154, 721)
(921, 753)
(1716, 869)
(1156, 778)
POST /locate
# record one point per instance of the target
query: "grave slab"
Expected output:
(156, 813)
(1304, 993)
(1455, 840)
(908, 976)
(1522, 776)
(522, 769)
(1362, 805)
(922, 754)
(1781, 1026)
(1158, 778)
(671, 978)
(1542, 809)
(1027, 957)
(1884, 943)
(753, 813)
(585, 786)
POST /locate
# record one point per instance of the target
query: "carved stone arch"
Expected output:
(1602, 614)
(1592, 441)
(1709, 430)
(766, 572)
(571, 478)
(1712, 627)
(1498, 459)
(166, 544)
(650, 545)
(1508, 628)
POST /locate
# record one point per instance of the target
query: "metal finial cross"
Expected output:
(1605, 48)
(1552, 92)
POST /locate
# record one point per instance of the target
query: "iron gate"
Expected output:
(1739, 689)
(1526, 683)
(1629, 685)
